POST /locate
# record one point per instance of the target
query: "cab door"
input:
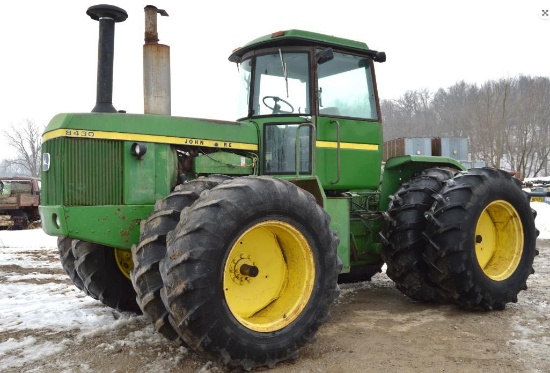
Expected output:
(349, 133)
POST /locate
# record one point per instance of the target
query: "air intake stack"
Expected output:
(107, 15)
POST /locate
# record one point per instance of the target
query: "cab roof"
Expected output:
(300, 37)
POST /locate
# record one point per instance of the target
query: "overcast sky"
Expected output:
(49, 48)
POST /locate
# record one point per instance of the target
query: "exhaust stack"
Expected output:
(156, 67)
(107, 15)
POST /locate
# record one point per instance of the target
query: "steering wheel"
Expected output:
(276, 107)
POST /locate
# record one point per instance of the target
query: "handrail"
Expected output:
(337, 151)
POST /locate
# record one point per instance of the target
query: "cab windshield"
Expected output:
(281, 84)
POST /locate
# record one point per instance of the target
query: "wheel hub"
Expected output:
(243, 269)
(499, 240)
(269, 276)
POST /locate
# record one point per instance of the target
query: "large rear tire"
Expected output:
(151, 249)
(105, 274)
(251, 271)
(482, 239)
(404, 234)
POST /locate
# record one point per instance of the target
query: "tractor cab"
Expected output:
(315, 99)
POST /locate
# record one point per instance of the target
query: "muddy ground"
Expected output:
(374, 328)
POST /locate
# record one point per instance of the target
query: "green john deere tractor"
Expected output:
(231, 236)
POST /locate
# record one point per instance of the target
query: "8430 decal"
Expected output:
(79, 133)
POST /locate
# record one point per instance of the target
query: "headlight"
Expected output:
(138, 149)
(45, 162)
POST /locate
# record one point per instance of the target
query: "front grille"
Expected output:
(83, 172)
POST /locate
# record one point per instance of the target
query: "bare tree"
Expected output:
(453, 108)
(408, 116)
(527, 141)
(8, 169)
(507, 121)
(489, 121)
(26, 140)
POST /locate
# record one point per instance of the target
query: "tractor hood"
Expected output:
(155, 129)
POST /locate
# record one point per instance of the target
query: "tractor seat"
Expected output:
(330, 110)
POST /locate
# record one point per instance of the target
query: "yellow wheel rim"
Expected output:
(124, 261)
(269, 275)
(499, 240)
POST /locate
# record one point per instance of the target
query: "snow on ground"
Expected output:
(34, 296)
(536, 179)
(542, 221)
(531, 333)
(43, 301)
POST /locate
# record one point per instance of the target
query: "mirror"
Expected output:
(380, 57)
(324, 56)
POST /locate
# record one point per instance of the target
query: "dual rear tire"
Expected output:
(468, 239)
(482, 239)
(404, 233)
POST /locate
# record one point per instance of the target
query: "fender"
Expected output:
(397, 170)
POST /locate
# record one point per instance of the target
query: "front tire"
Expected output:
(64, 246)
(482, 239)
(105, 274)
(151, 249)
(251, 271)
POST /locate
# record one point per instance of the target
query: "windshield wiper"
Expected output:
(285, 74)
